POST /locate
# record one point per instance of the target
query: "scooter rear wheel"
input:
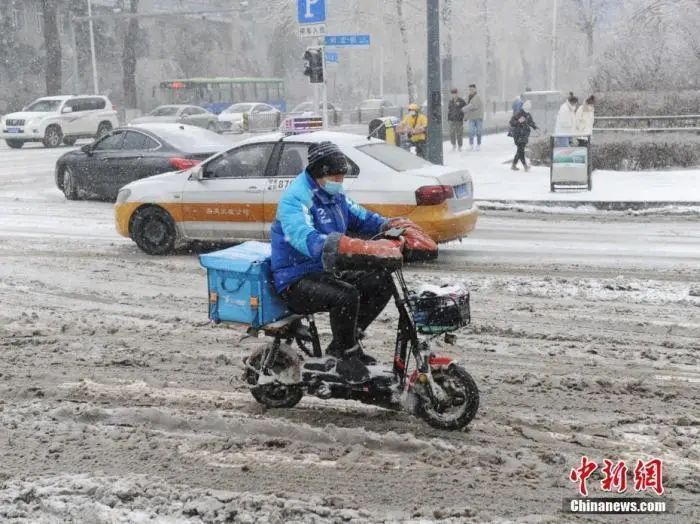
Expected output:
(463, 394)
(274, 395)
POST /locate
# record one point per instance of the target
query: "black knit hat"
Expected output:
(326, 158)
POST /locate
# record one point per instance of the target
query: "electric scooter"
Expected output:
(433, 387)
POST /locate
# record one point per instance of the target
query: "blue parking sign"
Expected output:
(311, 11)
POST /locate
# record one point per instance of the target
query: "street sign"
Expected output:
(331, 57)
(311, 11)
(347, 40)
(312, 30)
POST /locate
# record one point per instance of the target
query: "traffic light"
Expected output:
(313, 64)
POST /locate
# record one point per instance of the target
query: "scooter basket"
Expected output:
(438, 314)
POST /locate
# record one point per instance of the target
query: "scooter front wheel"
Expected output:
(462, 399)
(273, 395)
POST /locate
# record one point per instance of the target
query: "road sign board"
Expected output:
(347, 40)
(311, 11)
(312, 30)
(331, 57)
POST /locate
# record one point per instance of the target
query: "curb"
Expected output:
(599, 205)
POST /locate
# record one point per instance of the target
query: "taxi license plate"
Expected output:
(13, 130)
(460, 191)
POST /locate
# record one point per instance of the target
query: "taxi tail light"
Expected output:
(432, 195)
(183, 163)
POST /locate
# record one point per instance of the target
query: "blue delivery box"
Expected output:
(241, 287)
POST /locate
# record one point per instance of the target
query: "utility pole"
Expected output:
(434, 149)
(95, 85)
(74, 60)
(553, 69)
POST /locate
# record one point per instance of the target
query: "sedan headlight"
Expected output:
(123, 195)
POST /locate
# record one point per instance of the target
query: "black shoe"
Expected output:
(337, 353)
(351, 368)
(367, 360)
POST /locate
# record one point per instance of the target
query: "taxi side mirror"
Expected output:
(197, 173)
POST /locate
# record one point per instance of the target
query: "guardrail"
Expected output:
(643, 123)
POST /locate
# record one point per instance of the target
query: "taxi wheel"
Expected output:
(153, 230)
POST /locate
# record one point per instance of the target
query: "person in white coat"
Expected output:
(585, 117)
(566, 121)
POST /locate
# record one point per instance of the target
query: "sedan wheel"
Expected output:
(69, 186)
(153, 230)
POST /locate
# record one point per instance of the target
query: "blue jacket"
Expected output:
(306, 215)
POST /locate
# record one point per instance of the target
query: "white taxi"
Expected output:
(233, 195)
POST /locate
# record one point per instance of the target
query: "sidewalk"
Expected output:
(497, 186)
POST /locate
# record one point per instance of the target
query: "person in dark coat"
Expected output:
(520, 124)
(456, 119)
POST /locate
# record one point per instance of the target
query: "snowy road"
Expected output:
(116, 399)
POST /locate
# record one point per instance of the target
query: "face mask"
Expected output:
(333, 188)
(412, 113)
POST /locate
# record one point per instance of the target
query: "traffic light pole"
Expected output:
(434, 149)
(325, 90)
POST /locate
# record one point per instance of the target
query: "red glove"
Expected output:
(416, 238)
(343, 252)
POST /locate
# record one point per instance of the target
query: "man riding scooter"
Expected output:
(309, 243)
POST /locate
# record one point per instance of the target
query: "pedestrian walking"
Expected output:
(474, 112)
(566, 121)
(520, 124)
(456, 119)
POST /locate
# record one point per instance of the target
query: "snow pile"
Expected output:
(494, 180)
(139, 498)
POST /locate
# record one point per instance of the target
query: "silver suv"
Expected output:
(53, 120)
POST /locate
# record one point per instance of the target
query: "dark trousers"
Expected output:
(353, 299)
(420, 148)
(520, 154)
(456, 132)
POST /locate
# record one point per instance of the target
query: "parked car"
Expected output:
(56, 119)
(335, 115)
(375, 108)
(98, 170)
(250, 116)
(233, 196)
(181, 114)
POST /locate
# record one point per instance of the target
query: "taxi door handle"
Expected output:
(254, 189)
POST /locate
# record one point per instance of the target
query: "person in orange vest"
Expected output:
(415, 124)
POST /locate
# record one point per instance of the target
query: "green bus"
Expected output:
(216, 94)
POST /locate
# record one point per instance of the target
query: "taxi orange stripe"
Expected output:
(437, 221)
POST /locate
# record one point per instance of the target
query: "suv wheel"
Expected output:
(53, 136)
(153, 230)
(103, 129)
(14, 144)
